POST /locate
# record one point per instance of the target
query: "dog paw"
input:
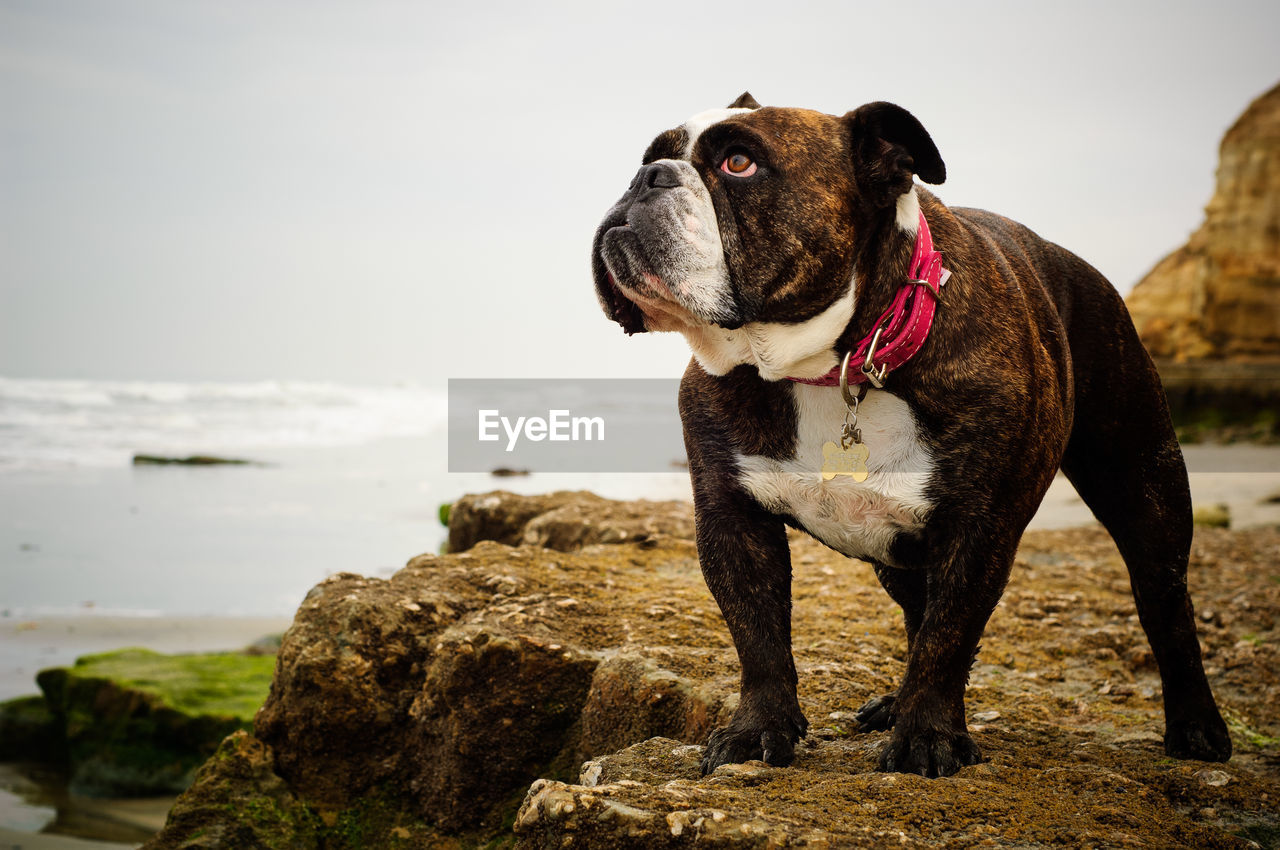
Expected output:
(876, 714)
(773, 743)
(1204, 739)
(929, 752)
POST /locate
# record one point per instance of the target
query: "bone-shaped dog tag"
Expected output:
(841, 461)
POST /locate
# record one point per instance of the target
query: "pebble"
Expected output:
(590, 775)
(1213, 778)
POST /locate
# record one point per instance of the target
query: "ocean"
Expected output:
(345, 478)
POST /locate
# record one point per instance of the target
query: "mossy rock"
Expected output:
(138, 722)
(238, 800)
(29, 731)
(192, 460)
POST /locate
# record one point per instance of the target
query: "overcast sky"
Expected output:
(378, 192)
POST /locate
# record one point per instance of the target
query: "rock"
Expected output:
(650, 795)
(136, 722)
(1213, 778)
(265, 645)
(1218, 296)
(500, 516)
(237, 800)
(467, 675)
(564, 521)
(568, 692)
(350, 667)
(191, 460)
(632, 699)
(494, 709)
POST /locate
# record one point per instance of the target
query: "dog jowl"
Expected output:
(784, 244)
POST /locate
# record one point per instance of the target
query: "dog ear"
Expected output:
(745, 101)
(889, 145)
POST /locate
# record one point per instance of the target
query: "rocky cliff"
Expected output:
(546, 697)
(1218, 296)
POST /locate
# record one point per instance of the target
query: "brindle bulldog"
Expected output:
(785, 243)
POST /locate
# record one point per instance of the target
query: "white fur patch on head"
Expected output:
(859, 519)
(777, 349)
(908, 216)
(699, 123)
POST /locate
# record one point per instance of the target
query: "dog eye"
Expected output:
(738, 164)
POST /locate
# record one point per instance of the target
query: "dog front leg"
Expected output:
(747, 566)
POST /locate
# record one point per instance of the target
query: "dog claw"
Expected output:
(876, 714)
(931, 753)
(775, 746)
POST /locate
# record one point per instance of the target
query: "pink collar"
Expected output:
(902, 329)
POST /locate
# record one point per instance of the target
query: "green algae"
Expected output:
(218, 684)
(134, 721)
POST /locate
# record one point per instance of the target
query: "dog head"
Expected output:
(741, 226)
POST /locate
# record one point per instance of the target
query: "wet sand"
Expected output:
(11, 840)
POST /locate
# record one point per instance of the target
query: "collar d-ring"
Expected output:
(850, 399)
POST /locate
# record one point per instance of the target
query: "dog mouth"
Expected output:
(657, 258)
(615, 301)
(632, 293)
(622, 309)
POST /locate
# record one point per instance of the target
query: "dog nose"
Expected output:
(655, 175)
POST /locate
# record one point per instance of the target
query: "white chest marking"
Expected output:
(859, 519)
(777, 349)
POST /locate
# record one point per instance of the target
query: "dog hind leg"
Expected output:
(1124, 461)
(909, 589)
